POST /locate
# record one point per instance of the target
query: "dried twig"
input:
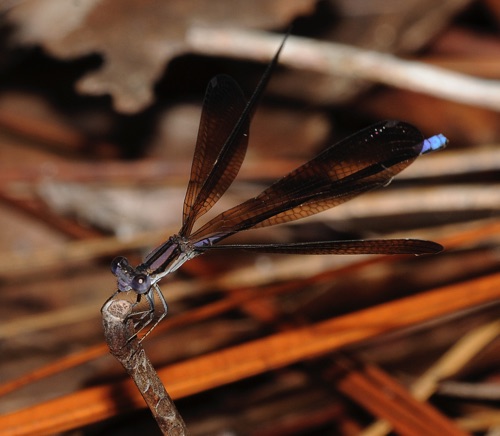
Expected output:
(475, 391)
(448, 365)
(333, 58)
(118, 329)
(378, 392)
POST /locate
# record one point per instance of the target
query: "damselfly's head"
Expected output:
(129, 279)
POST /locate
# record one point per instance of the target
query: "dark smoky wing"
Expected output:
(367, 159)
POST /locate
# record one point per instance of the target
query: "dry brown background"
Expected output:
(99, 107)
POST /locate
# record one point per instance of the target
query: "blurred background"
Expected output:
(99, 109)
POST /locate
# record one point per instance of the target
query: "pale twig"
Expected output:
(476, 391)
(124, 345)
(333, 58)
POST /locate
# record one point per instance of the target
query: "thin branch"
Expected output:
(118, 329)
(333, 58)
(474, 391)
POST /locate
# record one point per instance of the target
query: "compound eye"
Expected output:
(141, 283)
(119, 262)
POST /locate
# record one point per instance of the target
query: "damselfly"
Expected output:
(365, 160)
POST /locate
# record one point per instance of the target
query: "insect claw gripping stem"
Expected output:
(146, 316)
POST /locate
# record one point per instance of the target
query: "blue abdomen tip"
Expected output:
(436, 142)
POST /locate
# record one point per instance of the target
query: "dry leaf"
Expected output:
(136, 39)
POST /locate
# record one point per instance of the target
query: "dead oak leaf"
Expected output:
(135, 38)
